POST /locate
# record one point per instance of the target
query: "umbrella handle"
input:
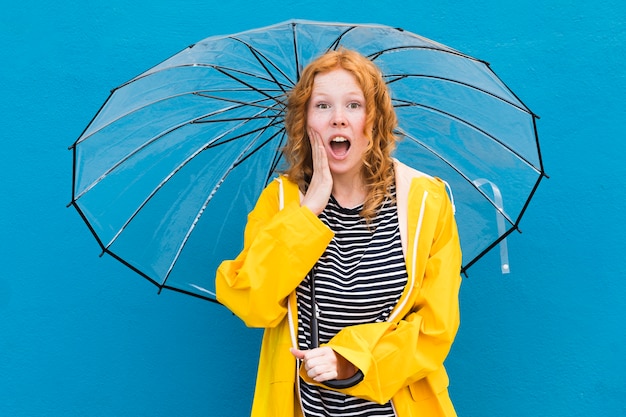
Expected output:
(345, 383)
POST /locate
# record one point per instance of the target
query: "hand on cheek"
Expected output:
(321, 186)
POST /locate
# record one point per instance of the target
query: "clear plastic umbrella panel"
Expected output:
(166, 172)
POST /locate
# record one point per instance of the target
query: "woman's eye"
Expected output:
(322, 106)
(354, 105)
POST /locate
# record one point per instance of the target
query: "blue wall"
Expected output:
(83, 336)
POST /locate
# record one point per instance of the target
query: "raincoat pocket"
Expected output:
(430, 386)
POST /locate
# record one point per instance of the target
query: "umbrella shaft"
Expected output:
(314, 327)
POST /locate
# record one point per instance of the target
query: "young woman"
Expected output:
(353, 249)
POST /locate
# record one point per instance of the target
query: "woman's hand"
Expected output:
(324, 364)
(321, 186)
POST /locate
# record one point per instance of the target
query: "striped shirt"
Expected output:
(358, 279)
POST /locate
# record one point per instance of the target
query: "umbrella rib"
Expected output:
(277, 158)
(450, 51)
(471, 125)
(169, 177)
(294, 37)
(189, 65)
(224, 70)
(162, 134)
(232, 119)
(209, 145)
(260, 129)
(241, 81)
(333, 45)
(336, 43)
(240, 158)
(162, 99)
(398, 77)
(241, 102)
(465, 177)
(256, 53)
(252, 152)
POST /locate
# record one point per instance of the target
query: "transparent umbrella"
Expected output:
(166, 172)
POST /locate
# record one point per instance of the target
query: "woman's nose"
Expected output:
(339, 118)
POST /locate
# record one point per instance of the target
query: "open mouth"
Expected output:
(339, 146)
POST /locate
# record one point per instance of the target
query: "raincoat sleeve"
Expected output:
(280, 247)
(395, 355)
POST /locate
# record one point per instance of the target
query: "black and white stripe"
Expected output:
(358, 279)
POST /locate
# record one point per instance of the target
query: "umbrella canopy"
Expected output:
(169, 167)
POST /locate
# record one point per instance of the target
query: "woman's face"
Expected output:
(336, 111)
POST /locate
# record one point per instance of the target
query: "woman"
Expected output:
(374, 239)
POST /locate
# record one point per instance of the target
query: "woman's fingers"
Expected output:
(320, 159)
(321, 171)
(320, 364)
(299, 354)
(321, 185)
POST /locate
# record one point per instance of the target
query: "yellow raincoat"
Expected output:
(401, 359)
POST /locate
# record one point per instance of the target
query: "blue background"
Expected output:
(84, 336)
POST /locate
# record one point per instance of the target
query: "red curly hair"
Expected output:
(381, 120)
